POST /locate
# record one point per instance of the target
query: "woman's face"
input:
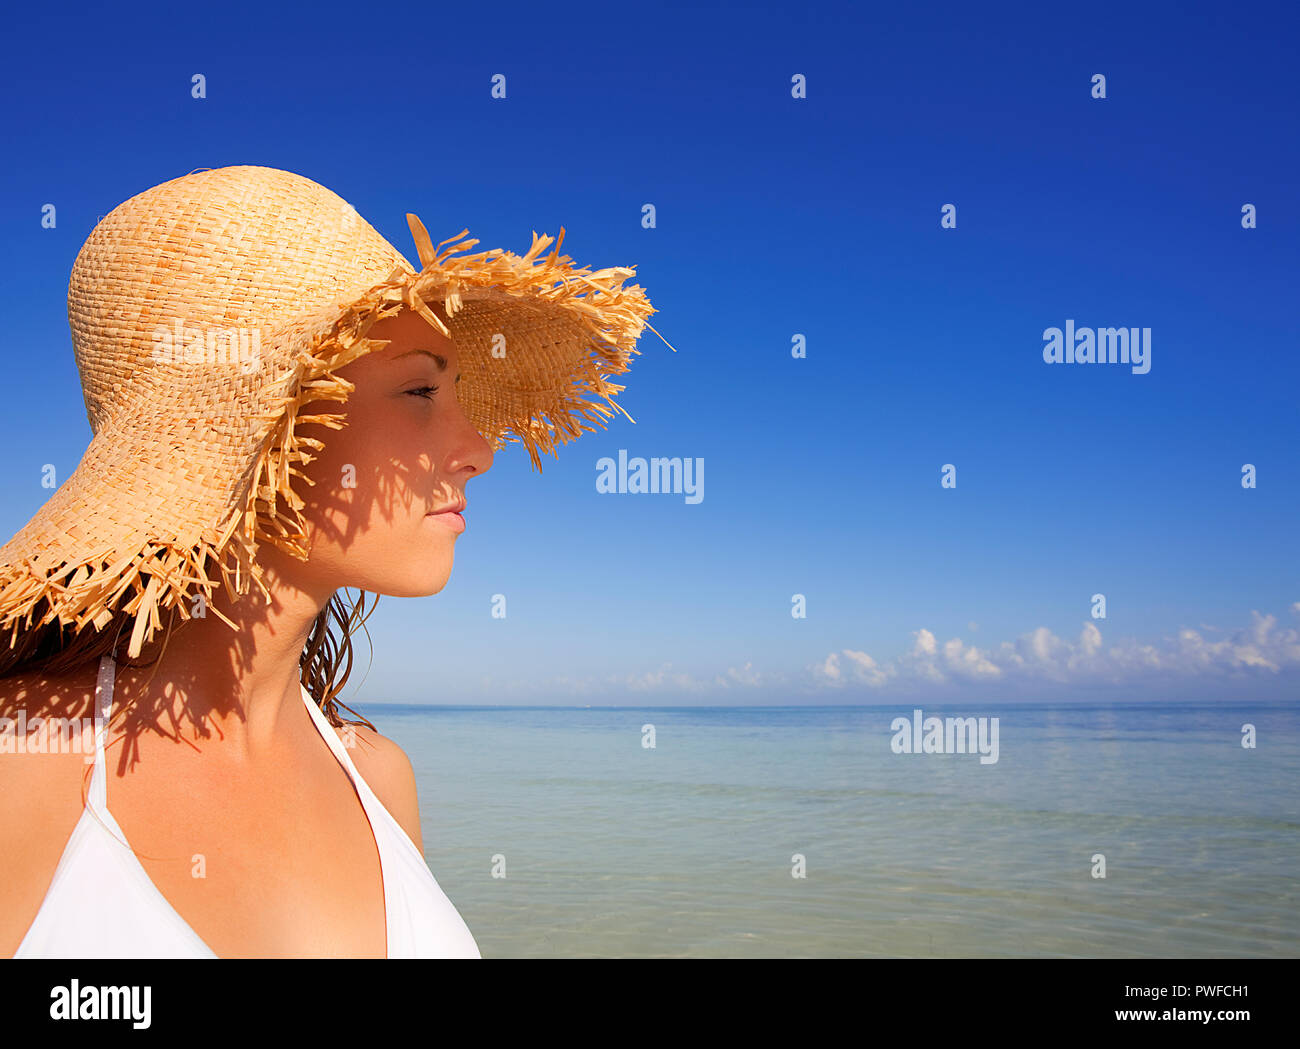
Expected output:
(406, 452)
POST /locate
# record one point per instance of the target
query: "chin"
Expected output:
(425, 583)
(412, 566)
(417, 576)
(410, 586)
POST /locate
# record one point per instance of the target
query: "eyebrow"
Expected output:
(438, 358)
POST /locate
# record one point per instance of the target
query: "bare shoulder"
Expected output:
(41, 722)
(385, 766)
(40, 693)
(42, 778)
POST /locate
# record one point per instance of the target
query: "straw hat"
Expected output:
(206, 312)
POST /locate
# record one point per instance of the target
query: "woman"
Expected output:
(224, 809)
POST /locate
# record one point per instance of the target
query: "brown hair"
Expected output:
(54, 649)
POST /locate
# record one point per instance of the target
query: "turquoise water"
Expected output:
(685, 850)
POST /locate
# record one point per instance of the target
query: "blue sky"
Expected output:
(777, 216)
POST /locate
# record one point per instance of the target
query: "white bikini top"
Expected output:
(102, 904)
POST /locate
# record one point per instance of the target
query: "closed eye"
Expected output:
(424, 391)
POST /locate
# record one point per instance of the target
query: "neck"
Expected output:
(217, 687)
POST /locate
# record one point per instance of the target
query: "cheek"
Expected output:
(375, 472)
(351, 445)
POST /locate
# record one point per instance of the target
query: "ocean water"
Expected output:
(610, 849)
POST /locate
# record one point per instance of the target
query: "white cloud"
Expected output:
(660, 680)
(858, 669)
(743, 676)
(666, 679)
(1259, 650)
(1040, 654)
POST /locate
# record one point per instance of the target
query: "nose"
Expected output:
(471, 448)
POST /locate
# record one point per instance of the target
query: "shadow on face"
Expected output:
(405, 452)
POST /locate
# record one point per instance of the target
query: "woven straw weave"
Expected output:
(192, 453)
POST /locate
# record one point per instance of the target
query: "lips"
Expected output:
(451, 517)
